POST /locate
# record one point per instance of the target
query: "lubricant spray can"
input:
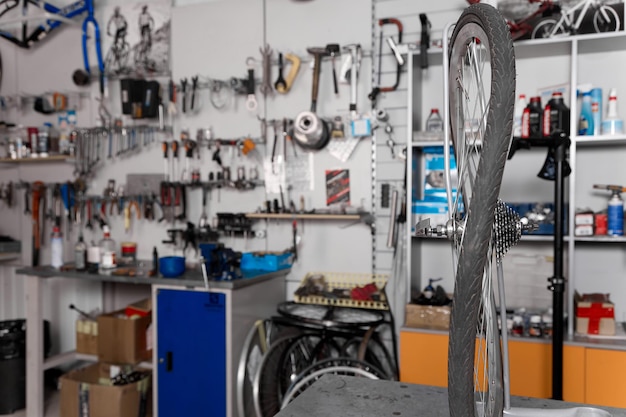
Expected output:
(616, 215)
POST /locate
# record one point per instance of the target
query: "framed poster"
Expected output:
(135, 37)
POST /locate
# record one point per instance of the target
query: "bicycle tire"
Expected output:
(257, 343)
(269, 384)
(544, 28)
(481, 33)
(376, 354)
(601, 25)
(330, 316)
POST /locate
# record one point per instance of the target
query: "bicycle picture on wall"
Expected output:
(138, 37)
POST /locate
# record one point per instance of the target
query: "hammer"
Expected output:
(317, 53)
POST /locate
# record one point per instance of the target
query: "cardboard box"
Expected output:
(123, 339)
(595, 314)
(141, 308)
(84, 388)
(87, 337)
(428, 317)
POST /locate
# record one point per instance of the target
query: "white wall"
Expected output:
(212, 39)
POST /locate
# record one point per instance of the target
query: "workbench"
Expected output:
(268, 287)
(334, 395)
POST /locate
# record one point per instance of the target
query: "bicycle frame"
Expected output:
(565, 16)
(522, 26)
(42, 30)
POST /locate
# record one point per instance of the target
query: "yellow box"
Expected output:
(87, 337)
(428, 317)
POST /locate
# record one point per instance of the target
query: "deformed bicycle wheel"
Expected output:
(335, 366)
(482, 96)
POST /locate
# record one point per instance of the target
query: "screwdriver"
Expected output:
(166, 151)
(189, 145)
(174, 158)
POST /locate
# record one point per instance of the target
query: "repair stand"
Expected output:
(555, 168)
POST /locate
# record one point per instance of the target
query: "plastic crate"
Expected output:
(256, 261)
(346, 281)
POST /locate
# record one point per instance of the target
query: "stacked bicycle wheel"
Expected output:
(284, 355)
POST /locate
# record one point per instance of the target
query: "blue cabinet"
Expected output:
(191, 353)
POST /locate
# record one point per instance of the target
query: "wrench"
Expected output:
(390, 142)
(266, 86)
(251, 103)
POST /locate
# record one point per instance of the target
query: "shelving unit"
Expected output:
(572, 53)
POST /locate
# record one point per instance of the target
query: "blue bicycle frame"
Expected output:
(41, 31)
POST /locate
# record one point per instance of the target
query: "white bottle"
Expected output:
(517, 115)
(612, 125)
(56, 248)
(434, 123)
(107, 250)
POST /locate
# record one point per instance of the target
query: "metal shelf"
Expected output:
(304, 216)
(600, 140)
(570, 38)
(52, 158)
(600, 239)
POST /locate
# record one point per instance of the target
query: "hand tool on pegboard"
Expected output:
(424, 40)
(251, 103)
(38, 191)
(283, 85)
(183, 87)
(173, 174)
(310, 131)
(266, 85)
(333, 49)
(171, 106)
(399, 61)
(194, 87)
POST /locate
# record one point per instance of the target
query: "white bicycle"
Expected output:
(605, 19)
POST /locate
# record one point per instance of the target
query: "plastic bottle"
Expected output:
(43, 141)
(517, 115)
(535, 329)
(546, 318)
(107, 250)
(80, 254)
(596, 109)
(54, 136)
(56, 248)
(535, 117)
(556, 115)
(525, 123)
(612, 125)
(585, 123)
(33, 141)
(434, 123)
(64, 136)
(616, 215)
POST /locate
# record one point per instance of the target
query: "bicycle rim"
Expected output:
(482, 96)
(606, 19)
(545, 27)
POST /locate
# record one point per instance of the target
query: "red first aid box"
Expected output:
(595, 317)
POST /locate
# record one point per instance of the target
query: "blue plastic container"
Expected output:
(252, 261)
(172, 266)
